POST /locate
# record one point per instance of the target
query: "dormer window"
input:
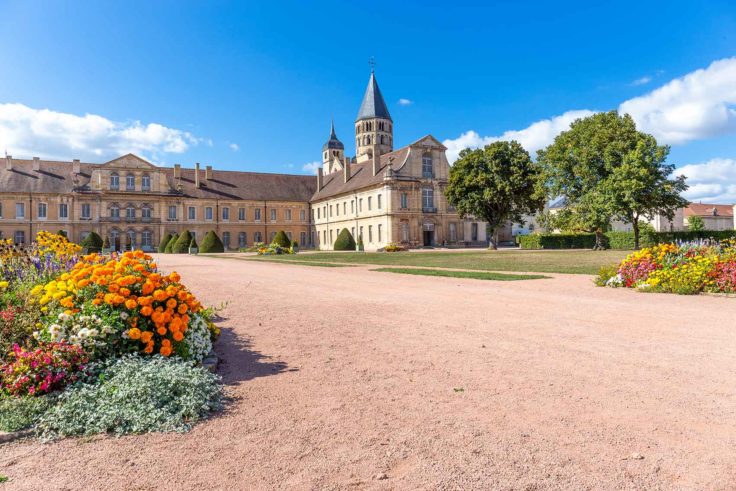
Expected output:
(130, 182)
(427, 170)
(146, 182)
(114, 181)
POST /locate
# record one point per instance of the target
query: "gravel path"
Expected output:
(344, 378)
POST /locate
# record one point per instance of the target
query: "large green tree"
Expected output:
(608, 170)
(498, 183)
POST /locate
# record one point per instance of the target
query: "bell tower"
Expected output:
(373, 126)
(333, 153)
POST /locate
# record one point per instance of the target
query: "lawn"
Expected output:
(567, 261)
(476, 275)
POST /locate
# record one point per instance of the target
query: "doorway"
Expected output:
(428, 238)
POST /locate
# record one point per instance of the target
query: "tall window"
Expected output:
(172, 212)
(63, 211)
(404, 201)
(130, 212)
(273, 215)
(1, 210)
(146, 183)
(288, 215)
(131, 238)
(474, 231)
(225, 213)
(241, 214)
(361, 232)
(20, 210)
(114, 235)
(427, 171)
(226, 239)
(370, 233)
(453, 232)
(20, 237)
(331, 237)
(192, 213)
(146, 212)
(273, 235)
(257, 215)
(257, 237)
(352, 206)
(319, 214)
(86, 211)
(330, 210)
(344, 208)
(370, 203)
(427, 198)
(115, 211)
(378, 201)
(241, 239)
(302, 215)
(130, 182)
(352, 231)
(208, 213)
(405, 231)
(303, 238)
(114, 181)
(379, 232)
(146, 238)
(360, 205)
(337, 209)
(42, 210)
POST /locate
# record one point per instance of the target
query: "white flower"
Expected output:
(83, 333)
(124, 315)
(92, 333)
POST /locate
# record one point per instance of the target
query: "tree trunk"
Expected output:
(492, 242)
(599, 246)
(635, 225)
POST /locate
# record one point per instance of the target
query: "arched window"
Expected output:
(427, 170)
(129, 211)
(146, 212)
(114, 210)
(114, 181)
(130, 182)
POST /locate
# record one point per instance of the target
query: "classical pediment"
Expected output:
(130, 161)
(429, 142)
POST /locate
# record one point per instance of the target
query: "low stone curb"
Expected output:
(15, 435)
(727, 295)
(211, 361)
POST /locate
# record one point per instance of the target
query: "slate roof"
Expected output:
(56, 177)
(333, 142)
(373, 105)
(706, 210)
(361, 175)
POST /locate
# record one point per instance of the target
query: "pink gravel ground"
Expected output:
(344, 378)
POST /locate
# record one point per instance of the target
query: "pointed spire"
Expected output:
(333, 142)
(373, 105)
(333, 136)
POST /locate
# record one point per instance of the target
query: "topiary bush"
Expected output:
(93, 242)
(135, 395)
(181, 246)
(211, 243)
(193, 243)
(344, 241)
(164, 242)
(170, 246)
(281, 240)
(106, 243)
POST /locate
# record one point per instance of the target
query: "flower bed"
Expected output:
(67, 320)
(686, 268)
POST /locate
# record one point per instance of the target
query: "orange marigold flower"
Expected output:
(146, 336)
(174, 276)
(182, 308)
(114, 288)
(83, 283)
(131, 304)
(96, 301)
(147, 288)
(125, 292)
(165, 342)
(134, 333)
(165, 350)
(161, 331)
(178, 336)
(159, 295)
(148, 348)
(146, 311)
(171, 303)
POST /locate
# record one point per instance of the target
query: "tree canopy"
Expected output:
(607, 170)
(497, 183)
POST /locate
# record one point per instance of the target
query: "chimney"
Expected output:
(376, 160)
(8, 162)
(346, 174)
(177, 171)
(76, 166)
(319, 179)
(196, 175)
(36, 164)
(208, 173)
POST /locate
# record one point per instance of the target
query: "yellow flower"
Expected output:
(3, 285)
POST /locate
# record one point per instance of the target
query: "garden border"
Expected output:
(15, 435)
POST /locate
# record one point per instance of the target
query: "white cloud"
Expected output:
(532, 138)
(26, 132)
(641, 81)
(234, 147)
(713, 181)
(699, 105)
(405, 102)
(311, 167)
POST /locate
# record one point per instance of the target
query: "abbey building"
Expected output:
(382, 194)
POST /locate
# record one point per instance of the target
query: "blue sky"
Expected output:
(253, 85)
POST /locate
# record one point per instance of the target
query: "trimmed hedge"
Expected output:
(211, 243)
(616, 240)
(93, 242)
(164, 242)
(344, 241)
(170, 246)
(181, 246)
(281, 239)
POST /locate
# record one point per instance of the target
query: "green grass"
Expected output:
(3, 478)
(477, 275)
(577, 262)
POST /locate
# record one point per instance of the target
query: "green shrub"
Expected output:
(344, 241)
(605, 273)
(211, 243)
(181, 246)
(164, 242)
(695, 224)
(193, 243)
(17, 413)
(135, 395)
(281, 240)
(170, 246)
(62, 233)
(618, 240)
(93, 242)
(106, 243)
